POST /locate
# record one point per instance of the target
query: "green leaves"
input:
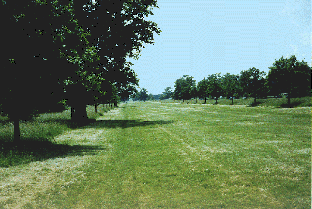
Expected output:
(290, 76)
(185, 88)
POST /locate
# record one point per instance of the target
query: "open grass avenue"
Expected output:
(166, 155)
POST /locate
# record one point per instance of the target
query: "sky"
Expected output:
(200, 38)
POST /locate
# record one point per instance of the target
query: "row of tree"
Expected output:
(69, 51)
(285, 76)
(142, 95)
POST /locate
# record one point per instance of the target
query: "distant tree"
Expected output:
(215, 86)
(184, 88)
(203, 89)
(244, 81)
(290, 76)
(194, 92)
(230, 85)
(150, 97)
(253, 82)
(158, 96)
(167, 93)
(141, 95)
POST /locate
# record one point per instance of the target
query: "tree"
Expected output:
(290, 76)
(116, 29)
(253, 82)
(150, 97)
(167, 93)
(184, 88)
(230, 85)
(30, 67)
(142, 95)
(202, 89)
(215, 86)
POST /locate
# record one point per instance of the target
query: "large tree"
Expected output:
(253, 82)
(215, 88)
(116, 29)
(230, 85)
(290, 76)
(31, 76)
(184, 88)
(203, 89)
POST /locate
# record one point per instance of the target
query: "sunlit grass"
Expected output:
(167, 155)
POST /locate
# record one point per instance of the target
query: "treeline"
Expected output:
(142, 95)
(76, 56)
(286, 76)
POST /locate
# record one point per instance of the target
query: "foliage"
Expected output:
(116, 29)
(230, 84)
(185, 88)
(150, 97)
(31, 69)
(166, 94)
(253, 83)
(203, 89)
(290, 76)
(141, 95)
(215, 85)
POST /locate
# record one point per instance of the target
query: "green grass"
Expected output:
(37, 136)
(166, 155)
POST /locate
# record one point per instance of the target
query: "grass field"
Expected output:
(168, 155)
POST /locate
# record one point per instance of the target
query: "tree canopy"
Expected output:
(203, 89)
(230, 85)
(253, 82)
(47, 54)
(215, 85)
(185, 88)
(290, 76)
(167, 93)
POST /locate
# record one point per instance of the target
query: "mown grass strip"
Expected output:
(188, 156)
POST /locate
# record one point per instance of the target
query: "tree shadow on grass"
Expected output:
(40, 149)
(292, 104)
(13, 154)
(254, 104)
(125, 123)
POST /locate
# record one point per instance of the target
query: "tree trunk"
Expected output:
(289, 99)
(17, 136)
(95, 108)
(255, 100)
(216, 100)
(232, 100)
(205, 100)
(72, 112)
(79, 112)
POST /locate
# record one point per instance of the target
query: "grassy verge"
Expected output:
(275, 102)
(37, 137)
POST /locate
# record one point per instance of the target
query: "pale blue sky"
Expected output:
(206, 37)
